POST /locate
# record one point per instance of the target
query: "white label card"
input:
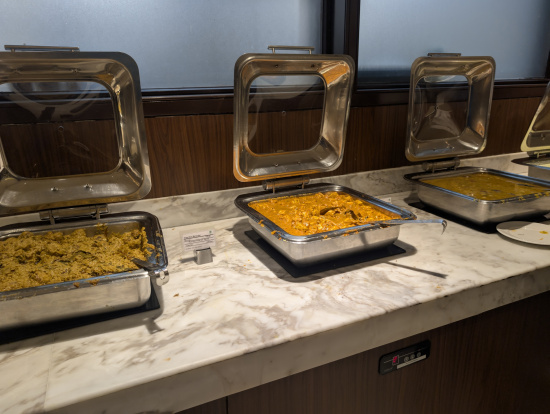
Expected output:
(199, 240)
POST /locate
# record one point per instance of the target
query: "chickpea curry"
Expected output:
(309, 214)
(31, 260)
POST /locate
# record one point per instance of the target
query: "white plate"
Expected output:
(536, 233)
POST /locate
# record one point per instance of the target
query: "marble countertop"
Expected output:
(243, 320)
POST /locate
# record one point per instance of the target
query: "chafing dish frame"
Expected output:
(321, 247)
(71, 198)
(536, 167)
(480, 212)
(89, 296)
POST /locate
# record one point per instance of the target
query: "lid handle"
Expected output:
(29, 48)
(279, 47)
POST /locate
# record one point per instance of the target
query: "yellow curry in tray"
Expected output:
(31, 260)
(487, 186)
(308, 214)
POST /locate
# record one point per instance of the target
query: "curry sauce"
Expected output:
(487, 186)
(31, 260)
(309, 214)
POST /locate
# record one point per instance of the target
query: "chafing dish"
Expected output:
(449, 106)
(45, 92)
(311, 249)
(536, 142)
(476, 210)
(286, 172)
(84, 296)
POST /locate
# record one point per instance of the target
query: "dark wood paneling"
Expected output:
(284, 131)
(496, 362)
(60, 148)
(191, 154)
(213, 407)
(510, 119)
(194, 153)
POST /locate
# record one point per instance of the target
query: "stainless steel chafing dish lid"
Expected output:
(449, 106)
(537, 141)
(115, 72)
(336, 73)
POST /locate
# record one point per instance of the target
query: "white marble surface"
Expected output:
(242, 321)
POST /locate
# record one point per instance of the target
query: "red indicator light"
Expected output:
(395, 360)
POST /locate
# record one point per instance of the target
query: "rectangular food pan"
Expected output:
(536, 167)
(90, 296)
(320, 247)
(479, 211)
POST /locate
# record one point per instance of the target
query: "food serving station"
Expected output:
(51, 87)
(286, 173)
(449, 108)
(235, 331)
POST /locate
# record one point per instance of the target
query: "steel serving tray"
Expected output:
(481, 212)
(311, 249)
(536, 167)
(90, 296)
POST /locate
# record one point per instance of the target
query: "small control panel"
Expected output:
(404, 357)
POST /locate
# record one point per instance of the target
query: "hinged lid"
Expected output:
(282, 77)
(449, 106)
(537, 139)
(71, 130)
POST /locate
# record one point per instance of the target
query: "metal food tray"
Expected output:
(481, 212)
(316, 248)
(90, 296)
(536, 167)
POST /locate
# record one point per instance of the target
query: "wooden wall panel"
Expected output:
(510, 119)
(491, 363)
(194, 153)
(376, 139)
(60, 148)
(190, 154)
(284, 131)
(213, 407)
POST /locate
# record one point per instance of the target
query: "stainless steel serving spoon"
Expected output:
(426, 221)
(390, 222)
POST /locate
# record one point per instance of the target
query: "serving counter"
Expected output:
(243, 320)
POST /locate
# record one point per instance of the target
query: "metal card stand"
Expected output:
(203, 256)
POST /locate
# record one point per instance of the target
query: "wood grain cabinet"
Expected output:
(497, 362)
